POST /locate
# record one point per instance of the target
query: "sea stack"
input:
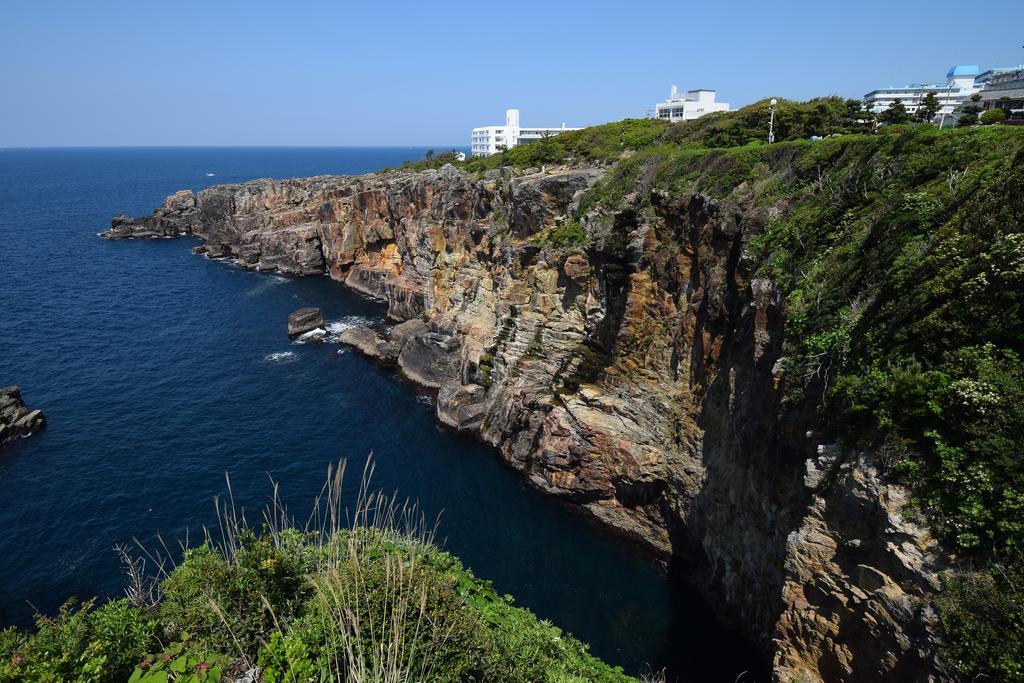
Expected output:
(304, 320)
(16, 420)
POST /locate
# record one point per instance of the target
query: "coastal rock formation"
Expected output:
(175, 216)
(304, 320)
(641, 378)
(17, 421)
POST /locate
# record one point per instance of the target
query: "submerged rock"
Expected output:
(17, 421)
(304, 320)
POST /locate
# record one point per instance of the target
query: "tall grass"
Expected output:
(371, 598)
(355, 593)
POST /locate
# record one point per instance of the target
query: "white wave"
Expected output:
(313, 335)
(280, 357)
(336, 327)
(425, 399)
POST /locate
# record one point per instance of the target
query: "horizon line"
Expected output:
(243, 146)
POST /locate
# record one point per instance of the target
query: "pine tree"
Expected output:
(896, 113)
(969, 112)
(929, 107)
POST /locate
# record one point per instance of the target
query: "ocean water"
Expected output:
(159, 371)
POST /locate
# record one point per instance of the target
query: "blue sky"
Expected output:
(397, 73)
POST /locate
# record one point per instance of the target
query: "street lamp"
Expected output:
(771, 122)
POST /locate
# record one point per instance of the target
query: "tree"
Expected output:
(929, 107)
(896, 113)
(857, 118)
(969, 112)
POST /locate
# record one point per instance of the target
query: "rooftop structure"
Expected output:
(689, 105)
(492, 139)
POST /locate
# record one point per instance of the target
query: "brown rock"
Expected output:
(304, 320)
(15, 419)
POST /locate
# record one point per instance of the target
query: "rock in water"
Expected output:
(17, 421)
(369, 343)
(304, 320)
(174, 217)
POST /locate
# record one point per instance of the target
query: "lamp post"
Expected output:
(771, 122)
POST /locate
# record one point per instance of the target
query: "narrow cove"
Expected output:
(159, 371)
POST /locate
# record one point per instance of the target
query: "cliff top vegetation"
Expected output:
(899, 252)
(375, 601)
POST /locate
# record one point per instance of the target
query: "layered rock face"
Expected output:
(640, 378)
(304, 320)
(17, 421)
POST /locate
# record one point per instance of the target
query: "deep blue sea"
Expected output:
(159, 371)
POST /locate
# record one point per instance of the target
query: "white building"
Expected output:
(492, 139)
(959, 86)
(689, 105)
(1003, 88)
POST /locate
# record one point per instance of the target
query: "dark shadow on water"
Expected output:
(698, 646)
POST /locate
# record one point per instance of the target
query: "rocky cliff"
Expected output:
(639, 374)
(17, 421)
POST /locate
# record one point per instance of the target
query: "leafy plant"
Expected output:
(181, 663)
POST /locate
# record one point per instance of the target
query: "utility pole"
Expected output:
(943, 119)
(771, 122)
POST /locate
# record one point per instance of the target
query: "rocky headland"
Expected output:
(640, 374)
(17, 421)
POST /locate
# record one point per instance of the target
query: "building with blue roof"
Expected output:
(961, 83)
(963, 70)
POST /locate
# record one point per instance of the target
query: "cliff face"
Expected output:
(640, 378)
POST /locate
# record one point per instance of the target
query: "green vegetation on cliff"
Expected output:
(900, 257)
(375, 602)
(610, 142)
(899, 254)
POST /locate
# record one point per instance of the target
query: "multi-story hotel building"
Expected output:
(492, 139)
(960, 85)
(1003, 88)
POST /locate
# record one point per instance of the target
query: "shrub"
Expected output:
(232, 603)
(993, 116)
(568, 234)
(983, 614)
(84, 644)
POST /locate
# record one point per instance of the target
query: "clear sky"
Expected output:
(337, 72)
